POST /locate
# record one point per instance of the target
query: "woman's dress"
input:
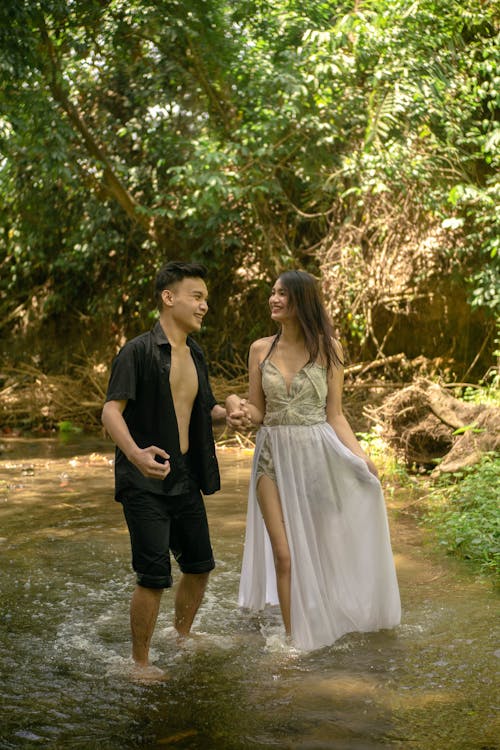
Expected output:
(343, 577)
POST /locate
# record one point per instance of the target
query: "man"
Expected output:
(159, 411)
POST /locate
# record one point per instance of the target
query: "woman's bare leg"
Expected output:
(270, 505)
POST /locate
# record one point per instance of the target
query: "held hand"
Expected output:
(145, 460)
(232, 403)
(238, 414)
(246, 412)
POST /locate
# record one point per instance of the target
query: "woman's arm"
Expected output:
(335, 416)
(253, 408)
(256, 404)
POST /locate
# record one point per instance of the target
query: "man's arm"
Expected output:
(218, 413)
(143, 458)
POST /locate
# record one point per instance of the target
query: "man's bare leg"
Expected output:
(187, 600)
(144, 608)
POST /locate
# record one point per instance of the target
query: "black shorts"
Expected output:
(160, 524)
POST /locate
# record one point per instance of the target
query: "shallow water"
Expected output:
(64, 637)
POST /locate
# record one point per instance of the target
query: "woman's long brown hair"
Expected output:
(305, 300)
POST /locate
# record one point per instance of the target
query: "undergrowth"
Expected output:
(461, 510)
(463, 513)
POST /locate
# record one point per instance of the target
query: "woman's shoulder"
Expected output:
(260, 349)
(262, 345)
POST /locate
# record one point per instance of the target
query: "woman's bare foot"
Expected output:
(148, 673)
(190, 639)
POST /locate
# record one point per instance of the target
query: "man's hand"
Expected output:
(145, 460)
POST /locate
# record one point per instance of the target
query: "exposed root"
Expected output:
(430, 428)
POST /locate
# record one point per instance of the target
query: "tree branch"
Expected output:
(111, 182)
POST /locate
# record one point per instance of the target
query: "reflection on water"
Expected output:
(64, 637)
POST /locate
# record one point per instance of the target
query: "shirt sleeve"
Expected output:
(122, 384)
(212, 401)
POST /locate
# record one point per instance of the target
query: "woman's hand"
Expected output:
(237, 413)
(371, 467)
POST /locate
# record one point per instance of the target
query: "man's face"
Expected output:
(187, 303)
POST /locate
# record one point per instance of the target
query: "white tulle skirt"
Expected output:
(343, 575)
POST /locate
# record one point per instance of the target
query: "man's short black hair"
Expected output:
(173, 272)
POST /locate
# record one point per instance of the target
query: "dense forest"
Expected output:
(358, 139)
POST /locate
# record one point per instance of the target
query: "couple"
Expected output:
(317, 539)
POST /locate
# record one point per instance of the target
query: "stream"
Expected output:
(64, 634)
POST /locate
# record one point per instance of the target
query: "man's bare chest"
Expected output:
(183, 377)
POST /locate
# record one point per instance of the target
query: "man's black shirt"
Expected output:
(140, 374)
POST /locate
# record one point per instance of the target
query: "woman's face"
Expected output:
(279, 303)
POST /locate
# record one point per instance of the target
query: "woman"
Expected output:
(317, 539)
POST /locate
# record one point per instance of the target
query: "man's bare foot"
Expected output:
(148, 673)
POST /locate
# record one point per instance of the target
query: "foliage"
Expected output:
(488, 392)
(463, 512)
(418, 205)
(252, 136)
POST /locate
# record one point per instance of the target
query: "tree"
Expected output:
(251, 136)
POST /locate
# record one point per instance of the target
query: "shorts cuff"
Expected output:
(200, 567)
(154, 582)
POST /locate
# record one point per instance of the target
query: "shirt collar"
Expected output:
(160, 338)
(159, 335)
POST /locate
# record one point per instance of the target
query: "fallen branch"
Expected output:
(367, 366)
